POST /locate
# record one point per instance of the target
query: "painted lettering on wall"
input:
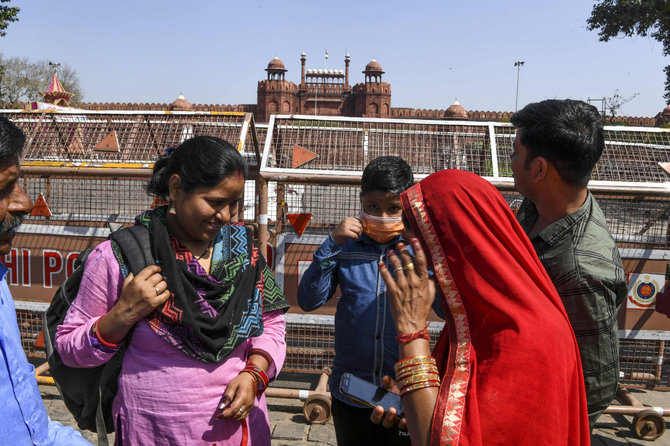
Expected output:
(18, 262)
(53, 264)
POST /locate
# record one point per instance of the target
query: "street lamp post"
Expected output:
(518, 64)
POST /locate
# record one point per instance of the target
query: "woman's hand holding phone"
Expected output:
(388, 418)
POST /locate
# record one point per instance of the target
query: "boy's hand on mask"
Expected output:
(348, 228)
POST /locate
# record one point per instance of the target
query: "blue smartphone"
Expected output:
(369, 394)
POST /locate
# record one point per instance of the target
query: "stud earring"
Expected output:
(171, 209)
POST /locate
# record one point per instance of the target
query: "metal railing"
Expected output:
(91, 188)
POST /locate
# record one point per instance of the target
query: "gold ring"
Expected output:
(158, 292)
(398, 269)
(408, 267)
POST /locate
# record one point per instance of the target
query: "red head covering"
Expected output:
(508, 356)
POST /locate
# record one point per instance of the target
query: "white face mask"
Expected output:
(389, 220)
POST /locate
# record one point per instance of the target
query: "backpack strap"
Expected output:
(135, 245)
(48, 344)
(101, 428)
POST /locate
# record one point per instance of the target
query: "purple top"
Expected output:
(164, 396)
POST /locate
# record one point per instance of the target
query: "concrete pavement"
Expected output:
(289, 427)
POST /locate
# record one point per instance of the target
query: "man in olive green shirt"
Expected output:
(557, 144)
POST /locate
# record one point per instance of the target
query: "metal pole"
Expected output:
(518, 64)
(263, 234)
(2, 74)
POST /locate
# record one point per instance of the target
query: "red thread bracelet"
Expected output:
(409, 337)
(98, 336)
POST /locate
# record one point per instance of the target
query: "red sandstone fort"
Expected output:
(326, 92)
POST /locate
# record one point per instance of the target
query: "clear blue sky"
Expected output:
(431, 51)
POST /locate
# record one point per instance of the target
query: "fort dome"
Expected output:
(456, 111)
(373, 67)
(180, 104)
(276, 65)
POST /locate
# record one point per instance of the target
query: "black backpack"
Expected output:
(88, 393)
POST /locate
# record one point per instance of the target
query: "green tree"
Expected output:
(634, 17)
(22, 80)
(7, 14)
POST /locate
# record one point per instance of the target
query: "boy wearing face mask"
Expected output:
(365, 343)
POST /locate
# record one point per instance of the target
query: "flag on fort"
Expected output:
(326, 53)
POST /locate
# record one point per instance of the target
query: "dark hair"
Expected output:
(387, 173)
(568, 133)
(200, 162)
(12, 140)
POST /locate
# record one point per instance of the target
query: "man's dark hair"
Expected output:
(388, 174)
(11, 140)
(568, 133)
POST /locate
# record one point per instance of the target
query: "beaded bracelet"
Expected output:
(95, 332)
(409, 337)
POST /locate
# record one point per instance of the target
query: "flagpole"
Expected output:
(316, 90)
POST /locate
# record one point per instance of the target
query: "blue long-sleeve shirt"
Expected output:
(23, 417)
(365, 333)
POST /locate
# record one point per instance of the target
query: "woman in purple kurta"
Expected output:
(208, 322)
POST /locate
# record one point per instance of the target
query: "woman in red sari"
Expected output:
(508, 369)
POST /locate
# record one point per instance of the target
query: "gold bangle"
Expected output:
(417, 378)
(403, 375)
(413, 360)
(418, 386)
(427, 368)
(435, 379)
(416, 367)
(426, 372)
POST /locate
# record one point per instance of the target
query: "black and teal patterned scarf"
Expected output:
(207, 316)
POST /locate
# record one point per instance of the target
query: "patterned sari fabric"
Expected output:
(207, 316)
(509, 361)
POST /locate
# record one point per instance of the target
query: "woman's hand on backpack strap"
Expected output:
(140, 295)
(143, 293)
